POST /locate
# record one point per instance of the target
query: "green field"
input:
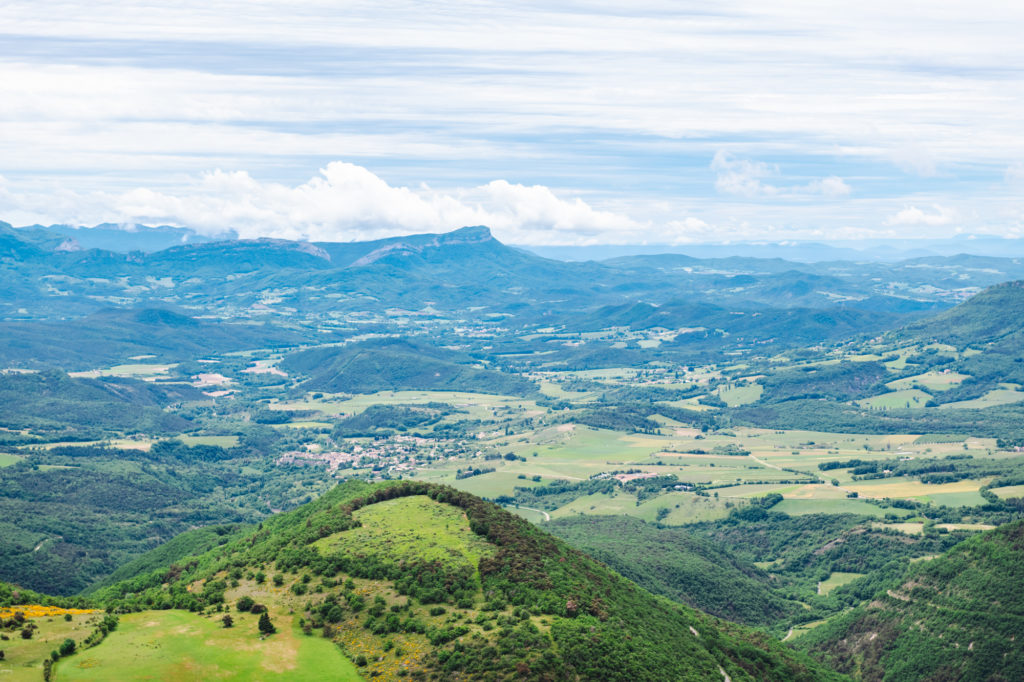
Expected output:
(936, 381)
(178, 645)
(221, 441)
(910, 397)
(1009, 491)
(999, 396)
(24, 657)
(734, 396)
(411, 528)
(7, 459)
(682, 507)
(837, 579)
(800, 507)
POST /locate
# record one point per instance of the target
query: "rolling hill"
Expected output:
(114, 335)
(420, 580)
(396, 365)
(990, 317)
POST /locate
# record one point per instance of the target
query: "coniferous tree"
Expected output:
(265, 626)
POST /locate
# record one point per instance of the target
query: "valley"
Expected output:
(767, 457)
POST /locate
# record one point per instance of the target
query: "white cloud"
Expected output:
(743, 177)
(832, 186)
(346, 202)
(912, 215)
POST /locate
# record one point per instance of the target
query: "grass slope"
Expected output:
(178, 645)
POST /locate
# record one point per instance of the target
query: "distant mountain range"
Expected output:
(328, 291)
(135, 237)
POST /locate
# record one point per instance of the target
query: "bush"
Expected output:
(67, 647)
(245, 603)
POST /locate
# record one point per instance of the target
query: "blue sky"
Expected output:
(554, 123)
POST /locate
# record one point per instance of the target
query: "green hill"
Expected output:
(956, 617)
(395, 365)
(992, 315)
(423, 581)
(51, 401)
(114, 335)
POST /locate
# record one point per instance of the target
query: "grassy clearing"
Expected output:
(494, 484)
(7, 459)
(411, 528)
(936, 381)
(799, 507)
(755, 489)
(221, 441)
(1009, 491)
(178, 645)
(965, 526)
(837, 579)
(24, 657)
(908, 528)
(910, 397)
(682, 507)
(999, 396)
(804, 628)
(554, 390)
(734, 396)
(135, 370)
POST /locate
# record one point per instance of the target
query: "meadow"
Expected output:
(182, 646)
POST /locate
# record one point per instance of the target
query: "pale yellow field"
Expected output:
(910, 488)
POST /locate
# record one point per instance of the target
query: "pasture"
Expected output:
(837, 579)
(24, 657)
(178, 645)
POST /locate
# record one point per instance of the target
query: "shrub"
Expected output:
(67, 647)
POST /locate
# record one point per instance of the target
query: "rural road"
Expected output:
(547, 517)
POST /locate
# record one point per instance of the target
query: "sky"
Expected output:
(551, 122)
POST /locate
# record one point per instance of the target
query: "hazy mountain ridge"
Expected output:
(476, 270)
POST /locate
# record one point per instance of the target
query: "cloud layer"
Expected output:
(579, 119)
(347, 202)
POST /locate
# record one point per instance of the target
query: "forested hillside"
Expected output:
(955, 617)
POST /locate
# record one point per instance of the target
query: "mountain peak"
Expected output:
(467, 235)
(416, 244)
